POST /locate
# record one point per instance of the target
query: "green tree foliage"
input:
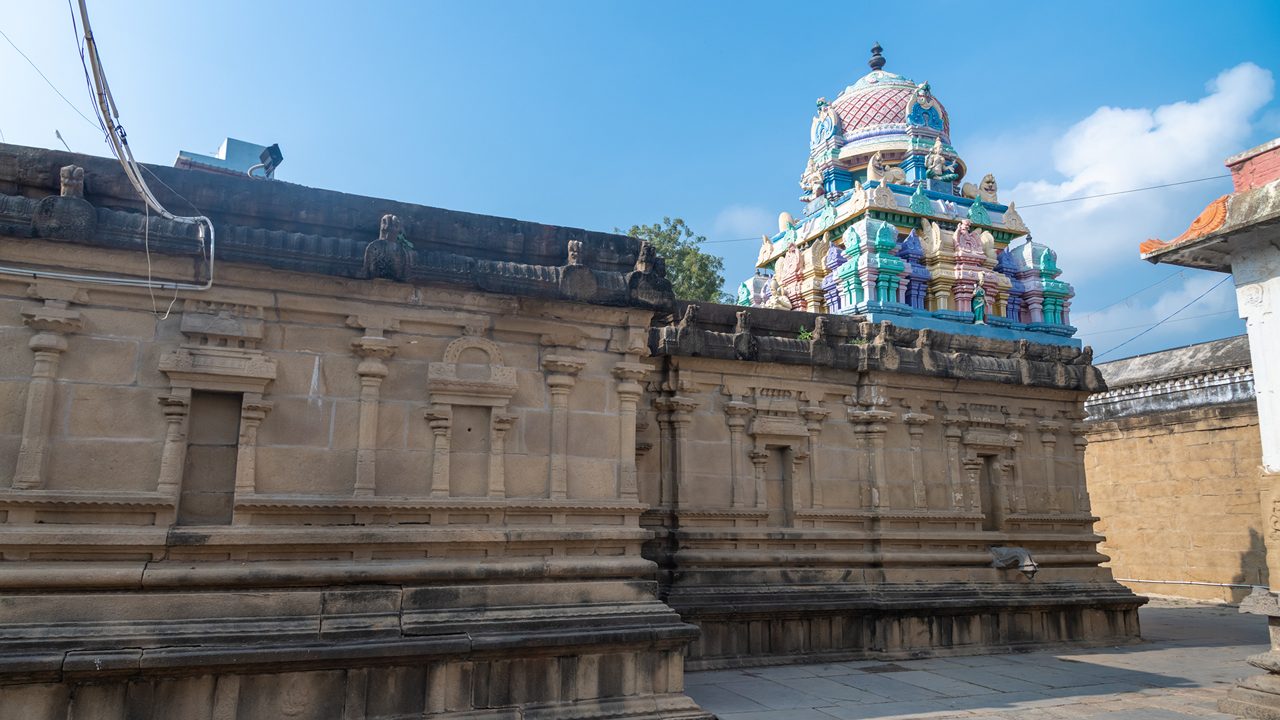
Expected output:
(694, 274)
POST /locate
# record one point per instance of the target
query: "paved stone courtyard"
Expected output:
(1192, 655)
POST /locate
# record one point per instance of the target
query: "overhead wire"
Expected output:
(1134, 294)
(1165, 318)
(1181, 319)
(46, 78)
(1125, 192)
(108, 116)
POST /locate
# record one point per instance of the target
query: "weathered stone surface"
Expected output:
(506, 485)
(1174, 450)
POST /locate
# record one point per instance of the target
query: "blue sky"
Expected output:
(605, 114)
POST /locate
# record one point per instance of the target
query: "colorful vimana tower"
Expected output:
(891, 231)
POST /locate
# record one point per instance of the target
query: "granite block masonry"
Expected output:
(407, 462)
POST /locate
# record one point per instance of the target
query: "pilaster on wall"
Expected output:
(374, 349)
(562, 371)
(870, 425)
(673, 419)
(1049, 447)
(176, 406)
(814, 416)
(51, 321)
(629, 390)
(916, 422)
(736, 414)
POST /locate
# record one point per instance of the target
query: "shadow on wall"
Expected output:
(1253, 567)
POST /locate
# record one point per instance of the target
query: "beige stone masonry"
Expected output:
(51, 321)
(562, 370)
(373, 349)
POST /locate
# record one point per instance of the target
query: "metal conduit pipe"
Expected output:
(1188, 582)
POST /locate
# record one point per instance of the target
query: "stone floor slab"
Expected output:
(1192, 656)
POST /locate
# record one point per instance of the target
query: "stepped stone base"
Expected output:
(577, 647)
(1255, 697)
(927, 620)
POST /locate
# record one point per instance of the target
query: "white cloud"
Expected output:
(743, 221)
(1118, 149)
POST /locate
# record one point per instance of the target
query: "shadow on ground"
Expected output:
(1191, 654)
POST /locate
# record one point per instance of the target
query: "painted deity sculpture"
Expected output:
(937, 165)
(979, 305)
(889, 232)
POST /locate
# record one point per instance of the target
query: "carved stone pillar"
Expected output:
(799, 457)
(759, 462)
(374, 350)
(1018, 503)
(972, 472)
(439, 419)
(629, 390)
(872, 426)
(253, 409)
(674, 417)
(736, 413)
(915, 429)
(1079, 491)
(499, 425)
(1049, 447)
(177, 407)
(952, 432)
(51, 321)
(813, 416)
(562, 374)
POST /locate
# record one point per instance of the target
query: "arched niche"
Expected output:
(469, 391)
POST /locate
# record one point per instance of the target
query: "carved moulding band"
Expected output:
(218, 369)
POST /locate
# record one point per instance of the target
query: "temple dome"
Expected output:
(877, 105)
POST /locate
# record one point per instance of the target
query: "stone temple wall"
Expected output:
(841, 496)
(1174, 464)
(461, 483)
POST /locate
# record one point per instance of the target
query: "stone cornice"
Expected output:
(610, 270)
(1216, 387)
(849, 342)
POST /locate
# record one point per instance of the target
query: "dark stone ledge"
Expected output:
(849, 342)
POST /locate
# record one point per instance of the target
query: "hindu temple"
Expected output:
(891, 230)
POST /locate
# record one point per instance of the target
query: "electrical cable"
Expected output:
(1133, 294)
(1123, 192)
(1135, 327)
(1165, 318)
(45, 78)
(106, 111)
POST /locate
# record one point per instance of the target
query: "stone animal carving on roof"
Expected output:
(575, 252)
(647, 259)
(388, 257)
(986, 190)
(67, 215)
(879, 170)
(71, 183)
